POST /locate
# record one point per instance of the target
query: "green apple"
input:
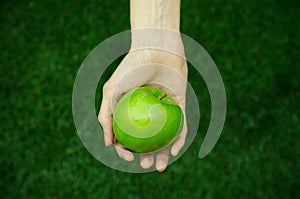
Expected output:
(146, 119)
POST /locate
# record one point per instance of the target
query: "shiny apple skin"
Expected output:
(146, 120)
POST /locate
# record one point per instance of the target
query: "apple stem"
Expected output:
(163, 97)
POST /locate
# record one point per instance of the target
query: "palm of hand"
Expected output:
(166, 71)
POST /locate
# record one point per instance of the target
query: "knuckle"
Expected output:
(106, 87)
(101, 118)
(181, 142)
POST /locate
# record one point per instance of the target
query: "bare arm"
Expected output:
(155, 13)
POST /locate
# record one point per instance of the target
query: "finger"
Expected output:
(106, 124)
(179, 142)
(162, 158)
(123, 152)
(105, 117)
(146, 160)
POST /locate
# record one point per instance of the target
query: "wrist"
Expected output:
(159, 39)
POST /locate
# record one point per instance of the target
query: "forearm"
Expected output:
(155, 25)
(155, 13)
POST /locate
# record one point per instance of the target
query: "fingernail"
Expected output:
(160, 166)
(146, 163)
(174, 152)
(129, 157)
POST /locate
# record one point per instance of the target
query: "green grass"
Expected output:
(256, 46)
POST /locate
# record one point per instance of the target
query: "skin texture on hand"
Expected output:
(149, 66)
(135, 71)
(155, 13)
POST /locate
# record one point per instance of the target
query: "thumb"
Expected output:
(105, 115)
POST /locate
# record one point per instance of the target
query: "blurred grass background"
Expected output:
(255, 44)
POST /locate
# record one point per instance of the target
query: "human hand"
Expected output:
(140, 67)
